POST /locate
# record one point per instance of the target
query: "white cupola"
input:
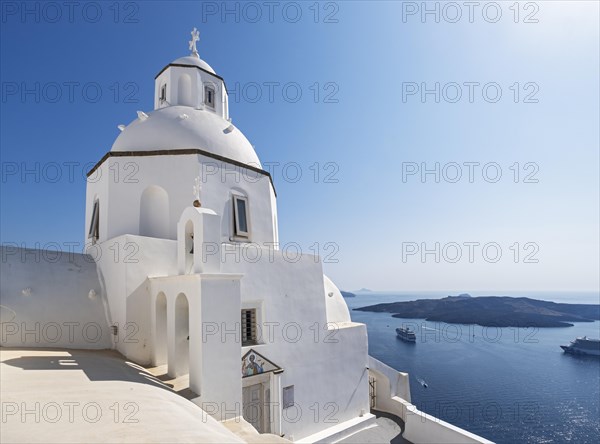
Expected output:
(156, 157)
(190, 81)
(191, 111)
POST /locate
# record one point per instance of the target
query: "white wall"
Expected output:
(120, 182)
(51, 299)
(327, 364)
(213, 303)
(195, 98)
(126, 262)
(337, 309)
(97, 189)
(390, 383)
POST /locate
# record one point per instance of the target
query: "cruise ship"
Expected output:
(406, 334)
(583, 346)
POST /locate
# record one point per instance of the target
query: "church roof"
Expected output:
(183, 127)
(194, 61)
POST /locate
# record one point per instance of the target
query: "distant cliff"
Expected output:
(347, 294)
(499, 311)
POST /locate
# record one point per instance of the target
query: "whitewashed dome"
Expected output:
(182, 127)
(335, 305)
(194, 61)
(188, 115)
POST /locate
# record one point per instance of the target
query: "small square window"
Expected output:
(94, 232)
(209, 96)
(249, 327)
(240, 211)
(288, 396)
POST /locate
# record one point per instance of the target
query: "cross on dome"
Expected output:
(195, 38)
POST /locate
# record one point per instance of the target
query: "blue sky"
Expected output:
(365, 128)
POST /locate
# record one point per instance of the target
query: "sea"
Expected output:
(509, 385)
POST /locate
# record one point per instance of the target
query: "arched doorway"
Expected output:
(160, 345)
(182, 335)
(154, 212)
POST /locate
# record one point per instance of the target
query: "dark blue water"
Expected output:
(508, 385)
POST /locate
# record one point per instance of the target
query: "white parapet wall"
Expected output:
(52, 299)
(390, 383)
(392, 395)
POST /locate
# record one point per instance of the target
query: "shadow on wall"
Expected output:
(96, 365)
(389, 429)
(134, 333)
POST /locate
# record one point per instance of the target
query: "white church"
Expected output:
(182, 271)
(211, 294)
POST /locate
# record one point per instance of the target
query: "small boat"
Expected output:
(422, 382)
(583, 346)
(406, 334)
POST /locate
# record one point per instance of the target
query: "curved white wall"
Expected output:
(123, 200)
(51, 299)
(185, 86)
(337, 310)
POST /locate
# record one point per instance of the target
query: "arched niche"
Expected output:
(184, 90)
(154, 212)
